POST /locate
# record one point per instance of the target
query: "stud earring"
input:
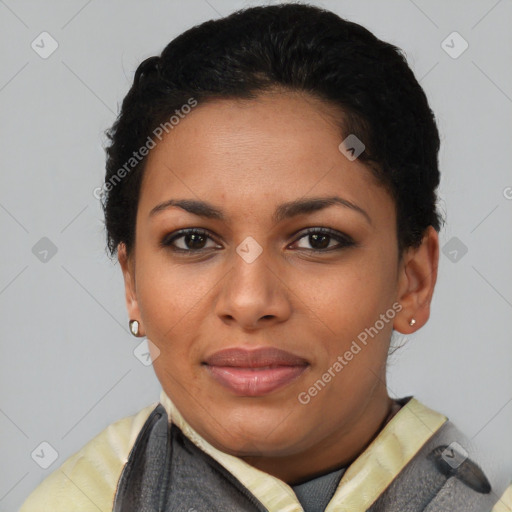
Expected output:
(412, 322)
(134, 327)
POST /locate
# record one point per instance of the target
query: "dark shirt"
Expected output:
(315, 494)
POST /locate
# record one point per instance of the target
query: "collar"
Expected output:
(363, 482)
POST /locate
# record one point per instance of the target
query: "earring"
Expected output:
(412, 322)
(134, 327)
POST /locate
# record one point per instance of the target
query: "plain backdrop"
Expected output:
(68, 367)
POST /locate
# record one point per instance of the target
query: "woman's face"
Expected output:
(252, 279)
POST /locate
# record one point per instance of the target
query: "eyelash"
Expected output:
(344, 241)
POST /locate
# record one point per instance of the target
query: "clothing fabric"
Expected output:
(154, 461)
(315, 494)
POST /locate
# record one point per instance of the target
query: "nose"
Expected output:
(253, 294)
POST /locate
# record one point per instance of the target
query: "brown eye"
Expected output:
(323, 240)
(188, 240)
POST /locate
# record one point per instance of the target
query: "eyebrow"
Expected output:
(283, 211)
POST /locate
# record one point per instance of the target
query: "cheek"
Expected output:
(347, 298)
(168, 294)
(166, 305)
(351, 348)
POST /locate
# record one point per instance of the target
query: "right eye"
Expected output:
(191, 240)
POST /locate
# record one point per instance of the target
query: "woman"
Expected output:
(271, 197)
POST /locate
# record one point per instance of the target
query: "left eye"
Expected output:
(320, 239)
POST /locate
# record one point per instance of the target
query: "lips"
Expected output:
(254, 372)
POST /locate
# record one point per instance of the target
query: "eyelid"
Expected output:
(321, 229)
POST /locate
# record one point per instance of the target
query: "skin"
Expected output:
(246, 157)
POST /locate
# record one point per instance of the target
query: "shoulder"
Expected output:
(88, 479)
(428, 464)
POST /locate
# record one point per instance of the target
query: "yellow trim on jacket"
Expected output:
(505, 502)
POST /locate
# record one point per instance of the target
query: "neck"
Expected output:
(337, 450)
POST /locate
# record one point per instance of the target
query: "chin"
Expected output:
(255, 433)
(254, 447)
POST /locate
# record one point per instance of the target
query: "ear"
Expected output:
(128, 268)
(417, 277)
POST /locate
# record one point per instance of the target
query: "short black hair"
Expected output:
(296, 47)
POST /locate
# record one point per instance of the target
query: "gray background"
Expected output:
(68, 368)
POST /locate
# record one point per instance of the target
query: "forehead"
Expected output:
(254, 153)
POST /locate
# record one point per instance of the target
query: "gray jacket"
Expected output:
(167, 472)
